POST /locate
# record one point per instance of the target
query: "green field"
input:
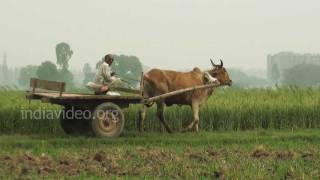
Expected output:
(207, 155)
(245, 134)
(227, 109)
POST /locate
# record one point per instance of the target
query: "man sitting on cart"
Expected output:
(104, 78)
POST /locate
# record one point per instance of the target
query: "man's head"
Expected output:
(108, 59)
(220, 73)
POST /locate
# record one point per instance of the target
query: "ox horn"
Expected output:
(221, 63)
(213, 63)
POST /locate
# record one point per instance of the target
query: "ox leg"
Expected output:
(195, 109)
(142, 117)
(160, 114)
(195, 122)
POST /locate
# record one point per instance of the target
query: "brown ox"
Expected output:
(157, 82)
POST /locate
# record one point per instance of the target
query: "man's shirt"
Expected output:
(103, 75)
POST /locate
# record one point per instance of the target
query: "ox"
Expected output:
(157, 82)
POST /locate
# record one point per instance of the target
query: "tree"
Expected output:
(302, 75)
(26, 73)
(64, 54)
(48, 71)
(128, 68)
(88, 73)
(67, 77)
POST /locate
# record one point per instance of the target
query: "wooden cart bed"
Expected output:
(53, 92)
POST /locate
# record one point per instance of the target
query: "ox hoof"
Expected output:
(188, 129)
(185, 130)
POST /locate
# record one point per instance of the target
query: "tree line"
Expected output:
(128, 68)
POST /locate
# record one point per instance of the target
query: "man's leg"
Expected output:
(115, 82)
(102, 91)
(98, 89)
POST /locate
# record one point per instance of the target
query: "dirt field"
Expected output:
(220, 155)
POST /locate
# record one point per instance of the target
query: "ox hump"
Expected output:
(196, 69)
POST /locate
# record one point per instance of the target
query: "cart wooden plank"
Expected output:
(78, 96)
(49, 85)
(79, 99)
(56, 95)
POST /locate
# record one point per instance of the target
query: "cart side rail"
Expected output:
(47, 85)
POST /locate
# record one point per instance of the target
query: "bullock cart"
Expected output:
(100, 115)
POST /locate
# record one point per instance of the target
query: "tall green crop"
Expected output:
(227, 109)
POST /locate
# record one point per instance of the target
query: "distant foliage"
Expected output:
(241, 79)
(67, 77)
(26, 73)
(302, 75)
(64, 54)
(128, 68)
(48, 71)
(88, 73)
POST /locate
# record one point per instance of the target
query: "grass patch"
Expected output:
(231, 155)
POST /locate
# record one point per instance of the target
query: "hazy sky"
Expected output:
(171, 34)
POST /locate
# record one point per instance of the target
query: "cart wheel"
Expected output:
(73, 126)
(108, 120)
